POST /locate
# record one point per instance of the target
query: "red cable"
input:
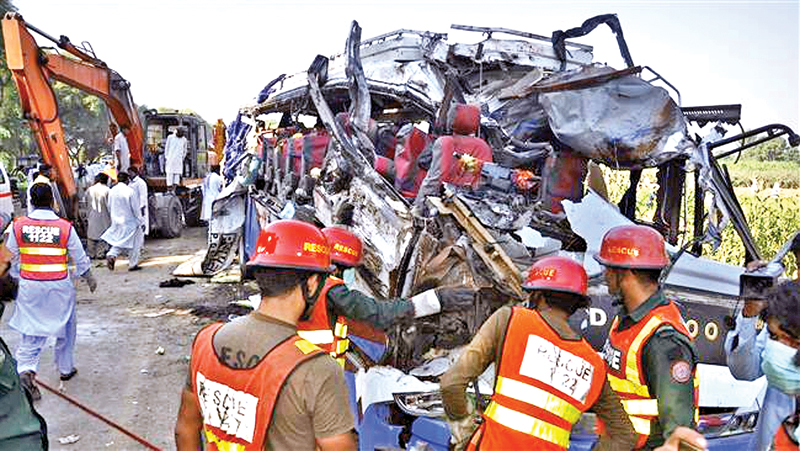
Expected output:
(100, 417)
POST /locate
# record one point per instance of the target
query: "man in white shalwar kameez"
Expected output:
(212, 185)
(174, 153)
(125, 233)
(41, 244)
(98, 218)
(138, 184)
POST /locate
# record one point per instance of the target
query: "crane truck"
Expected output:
(34, 68)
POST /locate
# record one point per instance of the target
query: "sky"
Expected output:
(215, 56)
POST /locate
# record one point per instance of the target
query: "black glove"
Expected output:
(454, 299)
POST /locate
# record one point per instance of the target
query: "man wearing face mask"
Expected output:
(744, 346)
(780, 361)
(280, 391)
(649, 353)
(327, 325)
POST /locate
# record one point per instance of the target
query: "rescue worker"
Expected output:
(649, 354)
(327, 325)
(41, 244)
(21, 427)
(282, 392)
(546, 374)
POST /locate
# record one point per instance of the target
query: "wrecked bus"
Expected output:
(350, 140)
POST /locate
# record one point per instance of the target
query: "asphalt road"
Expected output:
(132, 349)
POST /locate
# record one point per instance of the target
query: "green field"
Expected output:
(766, 173)
(772, 218)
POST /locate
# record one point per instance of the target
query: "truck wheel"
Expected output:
(171, 218)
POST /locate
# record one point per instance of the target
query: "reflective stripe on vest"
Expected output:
(536, 401)
(42, 248)
(528, 424)
(317, 329)
(636, 399)
(537, 397)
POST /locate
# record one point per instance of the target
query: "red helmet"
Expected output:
(633, 246)
(292, 244)
(557, 274)
(346, 247)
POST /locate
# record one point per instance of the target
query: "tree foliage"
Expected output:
(85, 121)
(84, 117)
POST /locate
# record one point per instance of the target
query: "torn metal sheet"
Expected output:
(225, 229)
(594, 216)
(624, 122)
(484, 244)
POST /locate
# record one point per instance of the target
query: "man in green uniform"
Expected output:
(21, 427)
(649, 353)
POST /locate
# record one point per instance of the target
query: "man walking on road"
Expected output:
(546, 374)
(649, 353)
(281, 391)
(138, 184)
(98, 219)
(41, 244)
(174, 153)
(125, 233)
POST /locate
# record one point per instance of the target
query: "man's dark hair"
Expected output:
(133, 170)
(784, 305)
(647, 275)
(278, 281)
(123, 177)
(41, 195)
(215, 169)
(567, 302)
(102, 178)
(45, 168)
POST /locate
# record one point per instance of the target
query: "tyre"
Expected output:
(171, 217)
(193, 203)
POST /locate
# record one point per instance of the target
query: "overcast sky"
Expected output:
(215, 56)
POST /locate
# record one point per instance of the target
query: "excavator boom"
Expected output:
(33, 69)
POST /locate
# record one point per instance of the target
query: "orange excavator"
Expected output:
(33, 67)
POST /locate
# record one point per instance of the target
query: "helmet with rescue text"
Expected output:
(561, 281)
(346, 247)
(289, 253)
(633, 247)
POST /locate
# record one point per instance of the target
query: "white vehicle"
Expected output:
(6, 198)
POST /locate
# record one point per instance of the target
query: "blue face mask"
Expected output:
(777, 362)
(349, 277)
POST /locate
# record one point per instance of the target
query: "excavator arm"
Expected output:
(33, 69)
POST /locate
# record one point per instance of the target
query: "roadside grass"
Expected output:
(765, 173)
(772, 216)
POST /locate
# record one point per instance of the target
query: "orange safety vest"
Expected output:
(544, 384)
(623, 355)
(317, 329)
(237, 404)
(42, 248)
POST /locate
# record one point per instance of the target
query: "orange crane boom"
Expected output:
(33, 68)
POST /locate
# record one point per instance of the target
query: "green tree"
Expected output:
(15, 135)
(84, 118)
